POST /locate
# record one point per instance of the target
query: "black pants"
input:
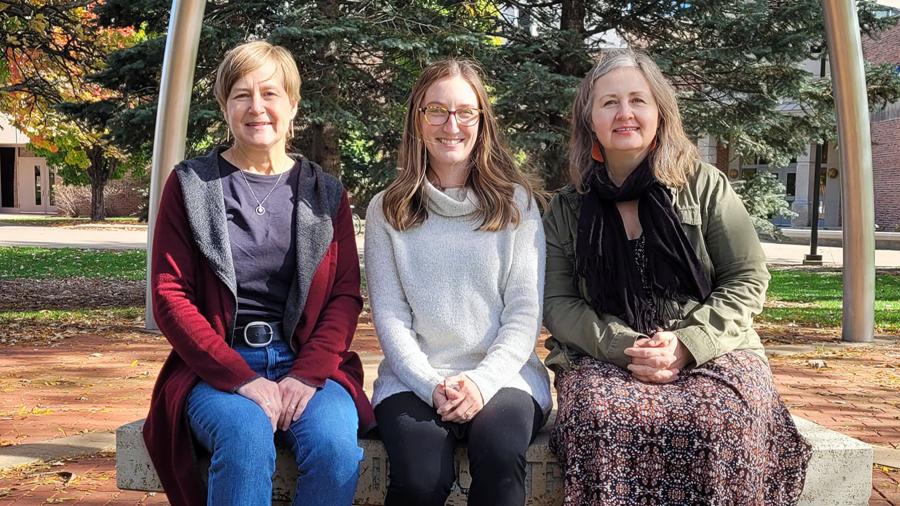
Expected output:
(420, 449)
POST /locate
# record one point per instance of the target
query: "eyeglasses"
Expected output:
(436, 115)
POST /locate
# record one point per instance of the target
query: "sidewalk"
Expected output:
(135, 237)
(76, 236)
(832, 256)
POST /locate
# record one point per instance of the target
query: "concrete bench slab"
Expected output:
(840, 470)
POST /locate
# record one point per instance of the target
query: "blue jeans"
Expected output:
(238, 435)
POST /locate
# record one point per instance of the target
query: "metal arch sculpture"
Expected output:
(176, 82)
(858, 212)
(855, 140)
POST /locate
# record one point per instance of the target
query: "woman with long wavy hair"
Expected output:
(454, 264)
(654, 274)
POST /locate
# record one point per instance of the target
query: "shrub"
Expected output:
(764, 197)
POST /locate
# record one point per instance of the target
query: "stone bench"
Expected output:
(840, 471)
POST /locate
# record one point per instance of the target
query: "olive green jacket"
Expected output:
(718, 227)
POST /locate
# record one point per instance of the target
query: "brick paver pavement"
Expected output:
(90, 480)
(855, 391)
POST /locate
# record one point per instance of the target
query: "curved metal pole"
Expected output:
(854, 136)
(177, 80)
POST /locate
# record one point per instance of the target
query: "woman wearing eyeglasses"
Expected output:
(454, 263)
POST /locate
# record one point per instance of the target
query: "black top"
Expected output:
(638, 249)
(262, 246)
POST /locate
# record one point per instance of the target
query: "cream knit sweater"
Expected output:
(449, 299)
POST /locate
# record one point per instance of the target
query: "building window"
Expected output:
(37, 185)
(791, 184)
(747, 174)
(885, 12)
(52, 199)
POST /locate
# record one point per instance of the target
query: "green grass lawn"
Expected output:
(40, 263)
(795, 296)
(31, 220)
(83, 316)
(815, 299)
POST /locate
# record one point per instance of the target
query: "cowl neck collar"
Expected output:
(440, 203)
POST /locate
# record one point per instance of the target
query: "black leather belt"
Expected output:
(258, 334)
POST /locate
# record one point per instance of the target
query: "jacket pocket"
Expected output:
(690, 215)
(694, 229)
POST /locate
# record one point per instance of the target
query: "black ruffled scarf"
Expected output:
(604, 258)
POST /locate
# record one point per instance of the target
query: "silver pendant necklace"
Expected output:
(260, 210)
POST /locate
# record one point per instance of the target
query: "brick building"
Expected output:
(886, 135)
(121, 197)
(29, 185)
(798, 176)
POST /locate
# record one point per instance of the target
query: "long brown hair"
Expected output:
(676, 156)
(493, 173)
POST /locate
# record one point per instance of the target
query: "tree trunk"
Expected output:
(572, 21)
(98, 207)
(573, 14)
(99, 172)
(324, 147)
(326, 135)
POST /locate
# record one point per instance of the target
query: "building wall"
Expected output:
(885, 173)
(884, 47)
(122, 197)
(885, 129)
(722, 157)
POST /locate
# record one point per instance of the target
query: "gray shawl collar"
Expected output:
(318, 199)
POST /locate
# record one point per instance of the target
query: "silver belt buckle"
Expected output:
(258, 324)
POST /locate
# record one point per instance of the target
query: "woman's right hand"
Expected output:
(658, 359)
(267, 395)
(438, 396)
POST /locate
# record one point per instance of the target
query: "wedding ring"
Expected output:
(268, 403)
(293, 406)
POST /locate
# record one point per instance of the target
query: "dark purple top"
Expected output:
(262, 246)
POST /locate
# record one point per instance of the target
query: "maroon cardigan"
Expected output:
(195, 309)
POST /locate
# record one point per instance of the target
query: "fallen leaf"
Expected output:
(816, 364)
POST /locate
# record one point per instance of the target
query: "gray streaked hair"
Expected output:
(676, 156)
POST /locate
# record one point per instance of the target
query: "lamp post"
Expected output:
(813, 258)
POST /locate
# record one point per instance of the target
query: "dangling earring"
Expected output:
(291, 130)
(227, 134)
(597, 151)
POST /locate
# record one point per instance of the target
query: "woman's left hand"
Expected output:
(658, 359)
(294, 397)
(464, 403)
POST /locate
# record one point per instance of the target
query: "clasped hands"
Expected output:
(282, 401)
(457, 399)
(658, 359)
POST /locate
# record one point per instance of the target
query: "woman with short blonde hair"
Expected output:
(255, 279)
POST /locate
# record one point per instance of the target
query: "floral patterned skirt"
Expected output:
(718, 435)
